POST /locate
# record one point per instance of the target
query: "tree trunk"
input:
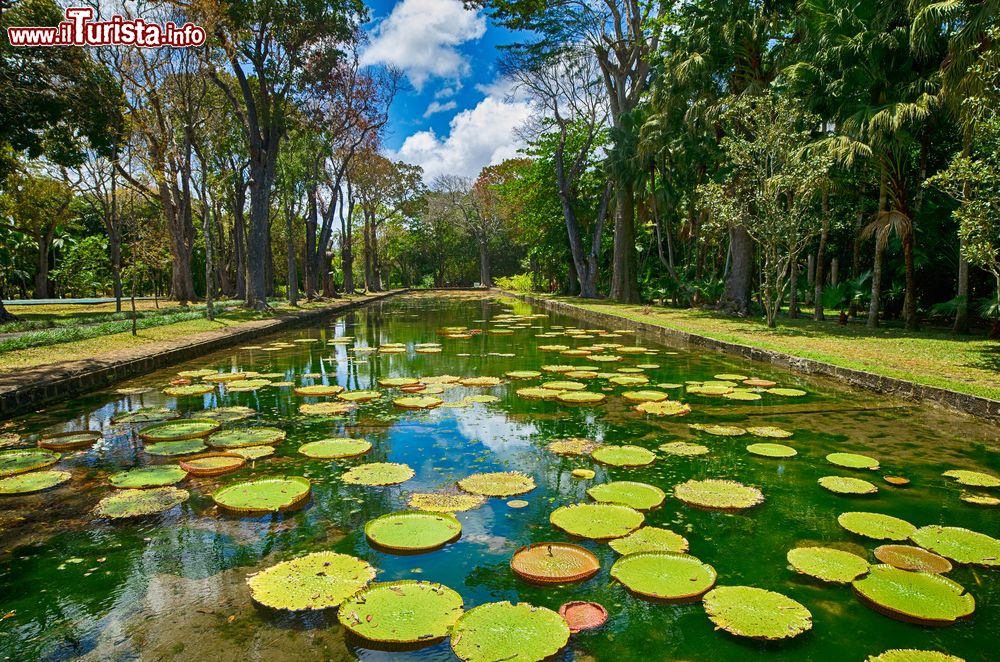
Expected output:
(872, 322)
(736, 296)
(484, 264)
(42, 275)
(5, 315)
(115, 242)
(258, 249)
(910, 300)
(293, 274)
(962, 309)
(312, 215)
(820, 274)
(793, 289)
(240, 241)
(206, 230)
(624, 278)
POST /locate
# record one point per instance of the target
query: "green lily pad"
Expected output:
(171, 448)
(228, 414)
(598, 521)
(480, 382)
(710, 389)
(876, 525)
(664, 575)
(650, 539)
(265, 495)
(624, 456)
(572, 446)
(393, 382)
(196, 374)
(852, 461)
(513, 633)
(317, 390)
(972, 478)
(913, 655)
(718, 430)
(629, 380)
(636, 495)
(401, 612)
(645, 396)
(212, 464)
(554, 563)
(242, 437)
(498, 483)
(35, 481)
(188, 390)
(378, 473)
(980, 500)
(483, 398)
(417, 402)
(537, 393)
(787, 392)
(445, 503)
(321, 580)
(916, 597)
(715, 494)
(326, 408)
(20, 461)
(335, 449)
(147, 415)
(960, 545)
(683, 448)
(180, 430)
(138, 503)
(65, 441)
(846, 485)
(559, 368)
(907, 557)
(731, 377)
(828, 564)
(564, 386)
(523, 374)
(145, 477)
(253, 452)
(413, 530)
(746, 611)
(742, 396)
(359, 396)
(586, 474)
(769, 431)
(772, 450)
(581, 397)
(134, 390)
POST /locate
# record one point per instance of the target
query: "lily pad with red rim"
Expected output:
(554, 563)
(907, 557)
(64, 441)
(20, 461)
(212, 464)
(580, 615)
(34, 481)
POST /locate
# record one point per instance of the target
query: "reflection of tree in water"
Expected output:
(496, 578)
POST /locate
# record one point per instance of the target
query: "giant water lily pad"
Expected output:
(718, 430)
(537, 393)
(907, 557)
(581, 398)
(513, 633)
(445, 503)
(498, 483)
(188, 390)
(253, 452)
(401, 612)
(480, 382)
(318, 390)
(972, 478)
(145, 477)
(180, 430)
(852, 461)
(572, 446)
(395, 382)
(747, 611)
(636, 495)
(523, 374)
(335, 449)
(137, 503)
(242, 437)
(212, 464)
(378, 473)
(683, 449)
(147, 415)
(772, 450)
(228, 414)
(554, 562)
(320, 580)
(847, 485)
(23, 460)
(828, 564)
(664, 575)
(916, 597)
(716, 494)
(876, 525)
(171, 448)
(35, 481)
(598, 521)
(650, 539)
(413, 530)
(769, 431)
(359, 396)
(265, 495)
(417, 402)
(958, 544)
(629, 380)
(564, 386)
(624, 456)
(64, 441)
(787, 392)
(326, 408)
(196, 374)
(980, 500)
(913, 655)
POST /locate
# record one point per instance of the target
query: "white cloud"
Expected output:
(437, 107)
(420, 37)
(477, 137)
(446, 92)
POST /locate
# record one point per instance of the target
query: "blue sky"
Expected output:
(455, 115)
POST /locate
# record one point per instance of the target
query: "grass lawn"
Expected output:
(968, 364)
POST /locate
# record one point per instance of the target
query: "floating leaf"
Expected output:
(326, 408)
(664, 575)
(636, 495)
(65, 441)
(212, 464)
(498, 484)
(188, 390)
(559, 368)
(484, 382)
(572, 446)
(265, 495)
(552, 348)
(629, 380)
(359, 396)
(523, 374)
(898, 481)
(242, 437)
(254, 452)
(718, 430)
(827, 564)
(731, 377)
(145, 477)
(760, 383)
(413, 530)
(321, 580)
(746, 611)
(180, 430)
(650, 539)
(171, 448)
(846, 485)
(913, 655)
(787, 392)
(715, 494)
(514, 633)
(624, 456)
(137, 503)
(335, 449)
(980, 500)
(644, 396)
(228, 414)
(319, 390)
(445, 503)
(769, 431)
(418, 402)
(916, 597)
(583, 473)
(598, 521)
(401, 612)
(743, 396)
(23, 460)
(196, 374)
(958, 544)
(972, 478)
(35, 481)
(554, 562)
(378, 473)
(580, 615)
(564, 386)
(134, 390)
(772, 450)
(581, 397)
(147, 415)
(538, 393)
(393, 382)
(683, 448)
(907, 557)
(876, 525)
(852, 461)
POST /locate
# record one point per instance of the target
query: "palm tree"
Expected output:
(885, 224)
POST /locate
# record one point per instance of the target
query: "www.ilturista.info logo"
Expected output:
(79, 29)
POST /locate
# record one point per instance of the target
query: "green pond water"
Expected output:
(172, 586)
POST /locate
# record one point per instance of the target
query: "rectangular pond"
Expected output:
(173, 585)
